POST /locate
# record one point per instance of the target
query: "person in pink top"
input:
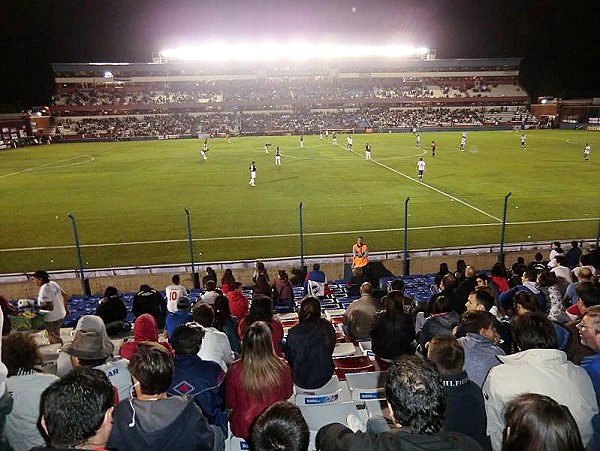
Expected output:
(262, 310)
(145, 328)
(257, 380)
(238, 303)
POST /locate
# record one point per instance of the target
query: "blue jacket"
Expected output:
(201, 380)
(174, 320)
(505, 299)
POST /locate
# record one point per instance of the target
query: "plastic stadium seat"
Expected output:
(354, 364)
(364, 386)
(320, 415)
(236, 444)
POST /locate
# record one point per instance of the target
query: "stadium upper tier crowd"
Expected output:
(492, 359)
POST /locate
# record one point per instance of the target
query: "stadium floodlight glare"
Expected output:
(271, 51)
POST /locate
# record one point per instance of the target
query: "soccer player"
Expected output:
(267, 148)
(586, 152)
(463, 143)
(523, 141)
(334, 139)
(252, 168)
(433, 148)
(277, 157)
(464, 135)
(367, 151)
(418, 140)
(420, 168)
(302, 141)
(349, 142)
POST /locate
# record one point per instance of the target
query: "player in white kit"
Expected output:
(277, 157)
(252, 169)
(420, 168)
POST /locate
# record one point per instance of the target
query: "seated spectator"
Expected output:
(538, 367)
(538, 264)
(144, 329)
(555, 250)
(76, 411)
(465, 411)
(317, 277)
(260, 270)
(573, 255)
(258, 379)
(226, 323)
(441, 322)
(182, 316)
(238, 303)
(589, 334)
(197, 378)
(529, 284)
(355, 282)
(20, 355)
(113, 312)
(148, 300)
(584, 275)
(261, 287)
(211, 293)
(467, 285)
(280, 427)
(498, 276)
(310, 345)
(227, 281)
(447, 289)
(360, 314)
(210, 275)
(152, 421)
(215, 344)
(416, 400)
(393, 331)
(479, 344)
(439, 276)
(517, 270)
(91, 349)
(548, 285)
(587, 261)
(397, 287)
(262, 310)
(563, 273)
(536, 421)
(174, 292)
(283, 293)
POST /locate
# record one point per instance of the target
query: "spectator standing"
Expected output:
(51, 297)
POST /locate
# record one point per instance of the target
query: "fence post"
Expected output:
(301, 208)
(406, 258)
(503, 233)
(195, 275)
(84, 286)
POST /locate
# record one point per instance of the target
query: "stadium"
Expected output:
(274, 158)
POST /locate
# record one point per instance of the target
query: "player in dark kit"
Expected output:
(433, 148)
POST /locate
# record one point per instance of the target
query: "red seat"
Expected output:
(354, 364)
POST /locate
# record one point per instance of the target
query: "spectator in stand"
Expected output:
(479, 344)
(466, 286)
(538, 264)
(153, 421)
(440, 275)
(447, 286)
(356, 281)
(465, 410)
(485, 282)
(529, 284)
(417, 401)
(215, 344)
(7, 310)
(238, 303)
(210, 275)
(548, 284)
(255, 381)
(584, 275)
(20, 355)
(182, 316)
(76, 412)
(174, 292)
(538, 367)
(498, 276)
(260, 270)
(360, 314)
(310, 345)
(316, 275)
(280, 427)
(197, 378)
(573, 255)
(283, 292)
(51, 297)
(113, 312)
(262, 310)
(536, 421)
(563, 273)
(261, 287)
(226, 323)
(459, 274)
(148, 300)
(588, 295)
(517, 270)
(586, 261)
(397, 288)
(555, 250)
(94, 350)
(227, 281)
(393, 331)
(211, 293)
(441, 322)
(144, 329)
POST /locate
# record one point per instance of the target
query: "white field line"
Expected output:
(294, 235)
(429, 186)
(52, 163)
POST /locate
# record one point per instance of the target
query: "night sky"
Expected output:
(558, 40)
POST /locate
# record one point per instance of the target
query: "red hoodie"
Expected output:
(144, 329)
(238, 304)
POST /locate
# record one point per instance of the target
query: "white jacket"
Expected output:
(543, 371)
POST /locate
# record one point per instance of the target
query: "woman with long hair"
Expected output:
(261, 287)
(393, 331)
(262, 310)
(310, 345)
(226, 322)
(256, 380)
(227, 281)
(283, 292)
(498, 276)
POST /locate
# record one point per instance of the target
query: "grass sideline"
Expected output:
(128, 198)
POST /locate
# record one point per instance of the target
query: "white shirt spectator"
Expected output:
(51, 292)
(173, 293)
(216, 347)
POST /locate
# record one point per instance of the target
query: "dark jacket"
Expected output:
(111, 309)
(174, 422)
(309, 352)
(337, 437)
(201, 380)
(465, 409)
(439, 324)
(391, 338)
(458, 305)
(152, 302)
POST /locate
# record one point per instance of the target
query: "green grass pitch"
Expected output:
(129, 198)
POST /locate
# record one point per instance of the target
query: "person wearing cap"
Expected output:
(238, 303)
(181, 316)
(51, 297)
(195, 377)
(91, 349)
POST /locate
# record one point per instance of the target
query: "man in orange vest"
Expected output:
(360, 254)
